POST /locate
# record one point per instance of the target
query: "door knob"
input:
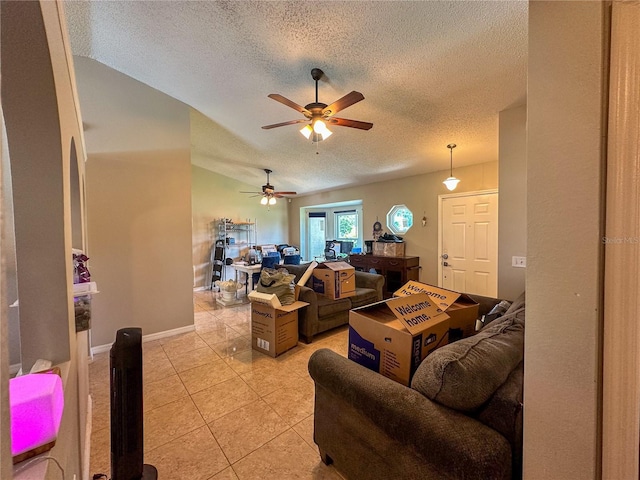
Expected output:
(445, 264)
(445, 256)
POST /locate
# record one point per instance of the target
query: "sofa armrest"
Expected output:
(308, 316)
(451, 443)
(370, 280)
(308, 295)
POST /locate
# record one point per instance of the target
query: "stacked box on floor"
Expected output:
(274, 327)
(274, 330)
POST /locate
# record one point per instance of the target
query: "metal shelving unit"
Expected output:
(233, 241)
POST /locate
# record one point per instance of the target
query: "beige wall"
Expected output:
(564, 229)
(512, 232)
(138, 203)
(139, 225)
(214, 197)
(419, 194)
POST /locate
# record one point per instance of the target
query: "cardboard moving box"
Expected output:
(274, 327)
(388, 249)
(334, 280)
(393, 336)
(274, 330)
(461, 308)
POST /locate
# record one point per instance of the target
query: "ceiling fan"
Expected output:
(317, 113)
(269, 193)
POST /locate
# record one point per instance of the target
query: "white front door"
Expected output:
(469, 243)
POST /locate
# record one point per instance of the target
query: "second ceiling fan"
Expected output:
(269, 193)
(319, 114)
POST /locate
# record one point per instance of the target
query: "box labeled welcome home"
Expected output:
(334, 280)
(393, 336)
(461, 308)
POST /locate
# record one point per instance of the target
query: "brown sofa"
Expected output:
(460, 419)
(323, 313)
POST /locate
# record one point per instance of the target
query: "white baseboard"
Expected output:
(148, 338)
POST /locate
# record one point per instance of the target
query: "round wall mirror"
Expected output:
(399, 219)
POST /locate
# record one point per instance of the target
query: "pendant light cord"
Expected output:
(451, 146)
(451, 163)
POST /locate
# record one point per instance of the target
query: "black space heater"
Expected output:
(126, 408)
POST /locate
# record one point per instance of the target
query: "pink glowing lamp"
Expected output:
(36, 402)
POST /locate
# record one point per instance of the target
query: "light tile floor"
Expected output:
(214, 409)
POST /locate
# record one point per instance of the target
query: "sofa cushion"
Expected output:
(363, 296)
(327, 306)
(464, 375)
(297, 270)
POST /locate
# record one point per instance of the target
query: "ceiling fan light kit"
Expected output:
(318, 114)
(452, 182)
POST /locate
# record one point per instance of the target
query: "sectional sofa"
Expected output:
(323, 313)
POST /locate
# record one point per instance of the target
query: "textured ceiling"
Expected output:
(432, 73)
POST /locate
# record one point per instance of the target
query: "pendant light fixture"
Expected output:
(452, 182)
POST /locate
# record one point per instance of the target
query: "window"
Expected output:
(316, 235)
(340, 223)
(347, 225)
(399, 219)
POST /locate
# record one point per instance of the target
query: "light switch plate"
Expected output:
(519, 262)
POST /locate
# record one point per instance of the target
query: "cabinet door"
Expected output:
(376, 264)
(395, 278)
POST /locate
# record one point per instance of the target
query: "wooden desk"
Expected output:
(396, 270)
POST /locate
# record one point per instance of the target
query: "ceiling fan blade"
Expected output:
(285, 193)
(342, 103)
(252, 192)
(285, 101)
(292, 122)
(343, 122)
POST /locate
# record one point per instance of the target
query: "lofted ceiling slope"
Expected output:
(432, 73)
